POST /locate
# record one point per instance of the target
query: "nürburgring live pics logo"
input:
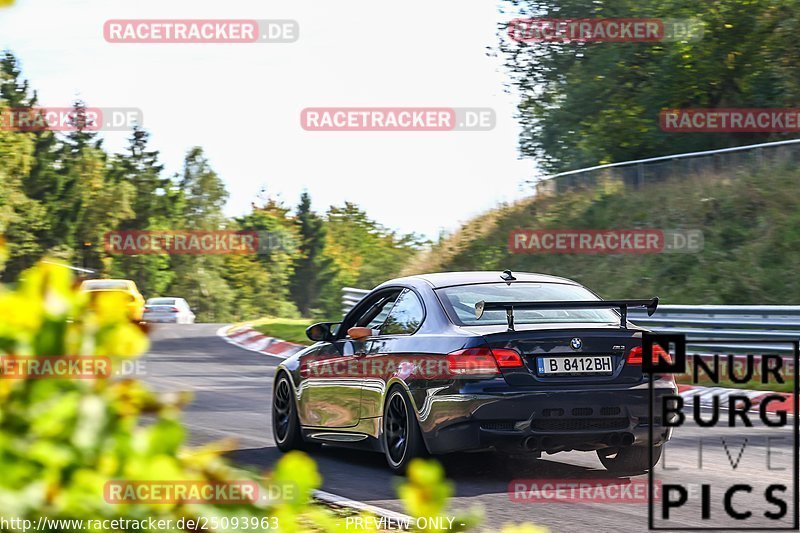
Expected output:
(742, 438)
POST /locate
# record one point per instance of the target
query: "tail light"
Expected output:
(659, 353)
(507, 358)
(482, 361)
(173, 309)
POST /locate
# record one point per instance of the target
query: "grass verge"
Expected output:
(287, 329)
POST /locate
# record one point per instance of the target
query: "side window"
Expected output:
(376, 314)
(405, 317)
(380, 318)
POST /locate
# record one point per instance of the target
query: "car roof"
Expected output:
(107, 284)
(438, 280)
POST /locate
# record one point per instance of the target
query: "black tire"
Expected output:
(285, 424)
(401, 437)
(630, 461)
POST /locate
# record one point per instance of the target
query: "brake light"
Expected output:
(635, 355)
(173, 309)
(482, 361)
(507, 358)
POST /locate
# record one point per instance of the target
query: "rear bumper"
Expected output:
(160, 319)
(548, 421)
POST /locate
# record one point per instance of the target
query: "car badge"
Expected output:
(576, 343)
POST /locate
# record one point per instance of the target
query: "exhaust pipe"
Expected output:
(531, 443)
(627, 439)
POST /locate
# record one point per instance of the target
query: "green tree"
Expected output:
(22, 216)
(203, 193)
(154, 207)
(312, 269)
(273, 266)
(363, 253)
(200, 279)
(588, 103)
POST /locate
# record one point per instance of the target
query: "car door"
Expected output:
(395, 339)
(329, 395)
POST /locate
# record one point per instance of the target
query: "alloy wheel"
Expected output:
(396, 428)
(282, 409)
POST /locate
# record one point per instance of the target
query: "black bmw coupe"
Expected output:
(456, 361)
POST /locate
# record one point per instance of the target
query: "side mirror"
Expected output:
(320, 331)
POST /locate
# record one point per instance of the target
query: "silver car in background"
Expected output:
(171, 310)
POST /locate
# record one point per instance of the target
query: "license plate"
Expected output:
(584, 364)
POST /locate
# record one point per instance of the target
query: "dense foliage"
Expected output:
(62, 439)
(61, 192)
(590, 103)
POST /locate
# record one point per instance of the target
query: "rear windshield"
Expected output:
(460, 303)
(105, 285)
(161, 301)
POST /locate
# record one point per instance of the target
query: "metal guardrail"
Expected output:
(703, 323)
(731, 322)
(76, 269)
(641, 172)
(350, 297)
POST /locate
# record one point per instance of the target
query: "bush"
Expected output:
(62, 440)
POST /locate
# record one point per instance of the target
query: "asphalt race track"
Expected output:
(232, 390)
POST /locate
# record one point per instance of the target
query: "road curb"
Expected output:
(250, 339)
(399, 520)
(704, 395)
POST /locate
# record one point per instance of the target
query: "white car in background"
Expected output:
(172, 310)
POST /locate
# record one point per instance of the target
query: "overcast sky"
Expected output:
(242, 102)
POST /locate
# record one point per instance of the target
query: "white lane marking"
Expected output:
(392, 516)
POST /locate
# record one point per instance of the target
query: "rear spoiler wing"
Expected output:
(622, 305)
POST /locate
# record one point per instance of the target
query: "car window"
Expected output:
(375, 315)
(405, 317)
(460, 303)
(105, 285)
(380, 318)
(161, 301)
